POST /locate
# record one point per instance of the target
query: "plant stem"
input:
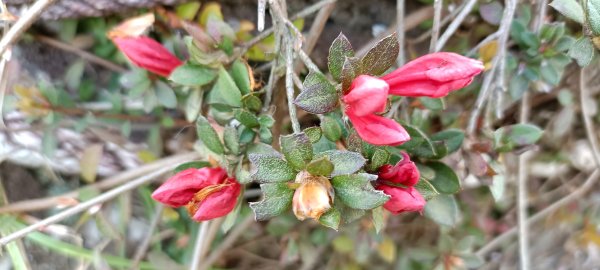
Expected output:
(198, 247)
(437, 17)
(468, 7)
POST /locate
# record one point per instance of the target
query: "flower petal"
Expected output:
(219, 203)
(148, 54)
(367, 95)
(402, 199)
(180, 188)
(378, 130)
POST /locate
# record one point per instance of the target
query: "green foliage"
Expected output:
(277, 199)
(355, 191)
(339, 50)
(208, 135)
(344, 162)
(512, 137)
(270, 169)
(318, 96)
(381, 56)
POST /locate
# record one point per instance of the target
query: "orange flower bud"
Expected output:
(313, 198)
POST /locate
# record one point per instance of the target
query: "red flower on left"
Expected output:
(207, 193)
(148, 54)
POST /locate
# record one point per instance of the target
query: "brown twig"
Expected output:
(81, 53)
(49, 202)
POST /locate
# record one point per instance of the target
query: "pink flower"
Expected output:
(433, 75)
(402, 199)
(148, 54)
(405, 172)
(366, 97)
(207, 193)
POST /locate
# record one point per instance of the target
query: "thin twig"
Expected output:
(400, 31)
(143, 247)
(83, 54)
(522, 194)
(23, 24)
(262, 6)
(198, 246)
(307, 61)
(574, 196)
(456, 22)
(227, 242)
(289, 86)
(586, 115)
(504, 30)
(437, 17)
(46, 203)
(104, 197)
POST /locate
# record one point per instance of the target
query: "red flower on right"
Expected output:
(397, 181)
(432, 75)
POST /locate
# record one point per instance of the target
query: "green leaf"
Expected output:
(208, 135)
(166, 95)
(277, 199)
(192, 75)
(297, 150)
(251, 103)
(350, 70)
(443, 210)
(356, 191)
(270, 169)
(193, 105)
(453, 138)
(265, 135)
(231, 140)
(192, 164)
(510, 137)
(263, 149)
(266, 121)
(344, 162)
(331, 128)
(74, 74)
(339, 50)
(593, 15)
(245, 134)
(377, 217)
(240, 75)
(582, 51)
(331, 219)
(313, 133)
(382, 56)
(187, 11)
(321, 166)
(445, 180)
(380, 157)
(246, 118)
(225, 91)
(318, 96)
(426, 189)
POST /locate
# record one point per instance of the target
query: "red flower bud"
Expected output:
(148, 54)
(207, 193)
(433, 75)
(405, 172)
(378, 130)
(402, 199)
(367, 95)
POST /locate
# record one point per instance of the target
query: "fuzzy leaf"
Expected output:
(356, 191)
(192, 164)
(339, 50)
(593, 15)
(377, 217)
(570, 9)
(582, 51)
(277, 199)
(321, 166)
(319, 96)
(331, 219)
(445, 180)
(453, 138)
(208, 135)
(350, 70)
(331, 129)
(246, 118)
(382, 56)
(426, 189)
(270, 169)
(192, 75)
(231, 140)
(225, 91)
(241, 76)
(344, 162)
(510, 137)
(252, 103)
(297, 150)
(443, 210)
(313, 133)
(380, 157)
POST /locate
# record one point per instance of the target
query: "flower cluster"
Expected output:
(207, 193)
(397, 181)
(432, 75)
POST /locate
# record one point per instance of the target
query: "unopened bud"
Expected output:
(313, 198)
